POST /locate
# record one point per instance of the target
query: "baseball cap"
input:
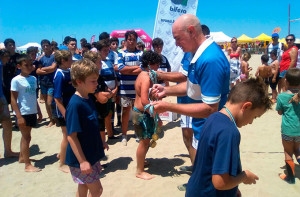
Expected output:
(275, 35)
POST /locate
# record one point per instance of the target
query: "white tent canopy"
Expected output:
(220, 37)
(30, 44)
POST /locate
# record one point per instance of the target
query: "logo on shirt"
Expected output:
(180, 2)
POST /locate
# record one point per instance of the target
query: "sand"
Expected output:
(261, 153)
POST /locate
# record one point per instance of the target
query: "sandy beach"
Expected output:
(261, 153)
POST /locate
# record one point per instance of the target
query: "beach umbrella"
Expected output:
(263, 37)
(244, 38)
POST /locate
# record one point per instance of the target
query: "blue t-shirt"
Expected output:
(63, 88)
(185, 62)
(81, 118)
(217, 153)
(127, 58)
(76, 57)
(47, 80)
(208, 79)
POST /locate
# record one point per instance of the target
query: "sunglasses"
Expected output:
(289, 40)
(233, 41)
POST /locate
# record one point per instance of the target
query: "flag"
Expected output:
(167, 12)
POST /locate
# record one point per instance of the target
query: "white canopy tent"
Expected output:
(30, 44)
(220, 37)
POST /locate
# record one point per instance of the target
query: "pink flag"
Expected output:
(93, 39)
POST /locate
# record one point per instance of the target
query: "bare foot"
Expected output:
(58, 156)
(31, 168)
(51, 123)
(11, 154)
(144, 175)
(64, 168)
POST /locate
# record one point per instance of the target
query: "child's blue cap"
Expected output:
(274, 35)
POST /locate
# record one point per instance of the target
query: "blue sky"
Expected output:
(32, 21)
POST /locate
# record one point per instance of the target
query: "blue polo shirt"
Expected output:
(208, 79)
(47, 80)
(185, 62)
(218, 153)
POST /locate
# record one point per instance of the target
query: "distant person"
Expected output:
(63, 91)
(109, 76)
(288, 60)
(217, 170)
(4, 111)
(140, 46)
(10, 69)
(65, 43)
(275, 74)
(86, 47)
(46, 74)
(129, 68)
(275, 45)
(54, 46)
(83, 41)
(114, 43)
(72, 46)
(235, 53)
(24, 104)
(123, 46)
(290, 126)
(85, 147)
(264, 71)
(245, 69)
(157, 45)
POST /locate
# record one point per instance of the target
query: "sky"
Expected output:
(32, 21)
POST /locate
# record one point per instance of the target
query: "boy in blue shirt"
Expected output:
(85, 148)
(217, 168)
(24, 104)
(290, 126)
(63, 91)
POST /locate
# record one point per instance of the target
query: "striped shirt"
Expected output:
(127, 58)
(108, 74)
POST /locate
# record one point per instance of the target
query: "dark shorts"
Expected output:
(101, 124)
(30, 119)
(60, 122)
(273, 85)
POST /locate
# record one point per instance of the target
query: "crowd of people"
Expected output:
(82, 89)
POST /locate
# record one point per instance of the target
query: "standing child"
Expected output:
(290, 126)
(264, 71)
(63, 91)
(24, 104)
(85, 147)
(142, 120)
(245, 69)
(217, 169)
(275, 74)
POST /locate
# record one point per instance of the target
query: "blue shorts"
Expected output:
(282, 74)
(47, 90)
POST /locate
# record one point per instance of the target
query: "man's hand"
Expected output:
(160, 106)
(295, 99)
(158, 91)
(250, 178)
(85, 167)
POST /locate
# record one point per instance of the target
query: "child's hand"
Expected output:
(85, 167)
(21, 121)
(295, 99)
(105, 146)
(160, 106)
(250, 178)
(158, 91)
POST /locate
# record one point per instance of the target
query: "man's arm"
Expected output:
(46, 70)
(171, 76)
(195, 110)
